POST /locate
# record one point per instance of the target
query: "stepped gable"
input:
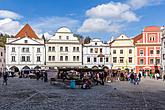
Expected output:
(27, 31)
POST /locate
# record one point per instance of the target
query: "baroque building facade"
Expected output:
(26, 51)
(96, 54)
(63, 49)
(148, 48)
(122, 53)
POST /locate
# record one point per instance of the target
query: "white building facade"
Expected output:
(122, 53)
(25, 51)
(163, 51)
(96, 54)
(2, 59)
(63, 49)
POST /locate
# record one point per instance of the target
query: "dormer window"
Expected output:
(59, 37)
(25, 41)
(95, 43)
(67, 37)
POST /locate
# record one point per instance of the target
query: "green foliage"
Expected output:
(3, 38)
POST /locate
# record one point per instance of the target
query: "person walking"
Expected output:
(5, 75)
(139, 76)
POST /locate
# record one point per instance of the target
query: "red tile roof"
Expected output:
(26, 31)
(151, 29)
(138, 37)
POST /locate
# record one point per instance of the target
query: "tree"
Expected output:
(87, 40)
(80, 37)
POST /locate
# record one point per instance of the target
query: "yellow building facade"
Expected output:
(122, 53)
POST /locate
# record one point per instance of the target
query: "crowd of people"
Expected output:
(88, 79)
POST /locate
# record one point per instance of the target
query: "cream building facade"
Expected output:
(63, 49)
(122, 53)
(96, 54)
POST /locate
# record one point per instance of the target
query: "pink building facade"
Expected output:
(147, 50)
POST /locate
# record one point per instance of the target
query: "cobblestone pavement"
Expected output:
(29, 94)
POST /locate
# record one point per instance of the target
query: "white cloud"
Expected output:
(137, 4)
(110, 10)
(46, 35)
(9, 14)
(110, 17)
(51, 24)
(99, 25)
(9, 26)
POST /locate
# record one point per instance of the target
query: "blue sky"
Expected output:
(95, 18)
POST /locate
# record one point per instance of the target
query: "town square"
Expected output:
(82, 55)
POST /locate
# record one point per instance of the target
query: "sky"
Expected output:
(95, 18)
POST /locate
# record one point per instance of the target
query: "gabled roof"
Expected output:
(27, 31)
(138, 37)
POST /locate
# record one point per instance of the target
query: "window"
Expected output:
(130, 59)
(141, 52)
(88, 59)
(28, 58)
(53, 58)
(163, 56)
(13, 49)
(96, 50)
(130, 51)
(121, 59)
(121, 51)
(151, 61)
(114, 59)
(107, 59)
(151, 52)
(53, 49)
(61, 58)
(74, 58)
(95, 43)
(67, 37)
(59, 37)
(158, 61)
(13, 58)
(141, 61)
(1, 53)
(157, 51)
(153, 38)
(49, 58)
(66, 49)
(23, 58)
(27, 49)
(23, 49)
(38, 58)
(25, 41)
(49, 49)
(38, 50)
(101, 59)
(101, 50)
(77, 49)
(114, 51)
(74, 49)
(77, 58)
(94, 59)
(91, 50)
(66, 58)
(61, 49)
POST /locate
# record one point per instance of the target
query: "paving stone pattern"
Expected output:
(30, 94)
